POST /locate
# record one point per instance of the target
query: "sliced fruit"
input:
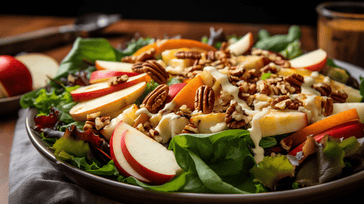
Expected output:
(341, 107)
(281, 122)
(169, 44)
(116, 66)
(127, 116)
(41, 66)
(119, 159)
(300, 136)
(187, 93)
(174, 90)
(314, 60)
(92, 91)
(109, 105)
(105, 75)
(149, 158)
(209, 123)
(242, 45)
(15, 77)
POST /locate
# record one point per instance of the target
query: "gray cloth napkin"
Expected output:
(33, 180)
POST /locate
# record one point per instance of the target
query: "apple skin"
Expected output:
(173, 90)
(149, 158)
(104, 75)
(313, 61)
(118, 157)
(109, 105)
(15, 77)
(96, 90)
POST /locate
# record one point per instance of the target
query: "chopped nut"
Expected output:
(156, 71)
(184, 111)
(204, 99)
(88, 125)
(190, 128)
(147, 55)
(129, 59)
(295, 80)
(188, 55)
(101, 122)
(155, 99)
(141, 119)
(285, 102)
(118, 80)
(93, 116)
(236, 117)
(263, 87)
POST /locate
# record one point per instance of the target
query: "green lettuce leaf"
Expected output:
(272, 169)
(94, 168)
(65, 147)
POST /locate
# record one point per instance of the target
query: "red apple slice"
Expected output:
(104, 75)
(118, 157)
(15, 77)
(242, 45)
(174, 90)
(92, 91)
(109, 105)
(314, 60)
(41, 66)
(116, 66)
(149, 158)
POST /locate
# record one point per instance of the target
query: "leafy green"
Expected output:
(277, 42)
(66, 146)
(133, 46)
(293, 50)
(92, 167)
(220, 161)
(272, 169)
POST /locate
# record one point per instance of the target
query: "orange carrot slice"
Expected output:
(187, 94)
(163, 45)
(300, 136)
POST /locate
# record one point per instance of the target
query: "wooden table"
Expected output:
(119, 32)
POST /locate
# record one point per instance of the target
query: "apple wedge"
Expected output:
(149, 158)
(109, 105)
(242, 45)
(282, 122)
(111, 65)
(15, 77)
(92, 91)
(314, 60)
(174, 90)
(104, 75)
(41, 66)
(118, 157)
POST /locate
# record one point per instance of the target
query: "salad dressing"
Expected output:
(256, 134)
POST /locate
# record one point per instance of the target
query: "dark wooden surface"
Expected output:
(118, 33)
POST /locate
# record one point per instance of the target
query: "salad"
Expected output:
(236, 114)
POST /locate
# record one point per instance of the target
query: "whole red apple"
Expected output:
(15, 77)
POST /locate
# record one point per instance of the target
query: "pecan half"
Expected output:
(327, 106)
(204, 99)
(155, 71)
(339, 96)
(155, 99)
(323, 88)
(138, 67)
(236, 117)
(295, 80)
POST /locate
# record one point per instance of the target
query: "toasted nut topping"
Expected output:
(138, 67)
(155, 71)
(93, 116)
(188, 55)
(327, 106)
(339, 96)
(323, 88)
(118, 80)
(204, 99)
(155, 99)
(236, 117)
(190, 128)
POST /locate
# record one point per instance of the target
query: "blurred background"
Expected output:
(240, 11)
